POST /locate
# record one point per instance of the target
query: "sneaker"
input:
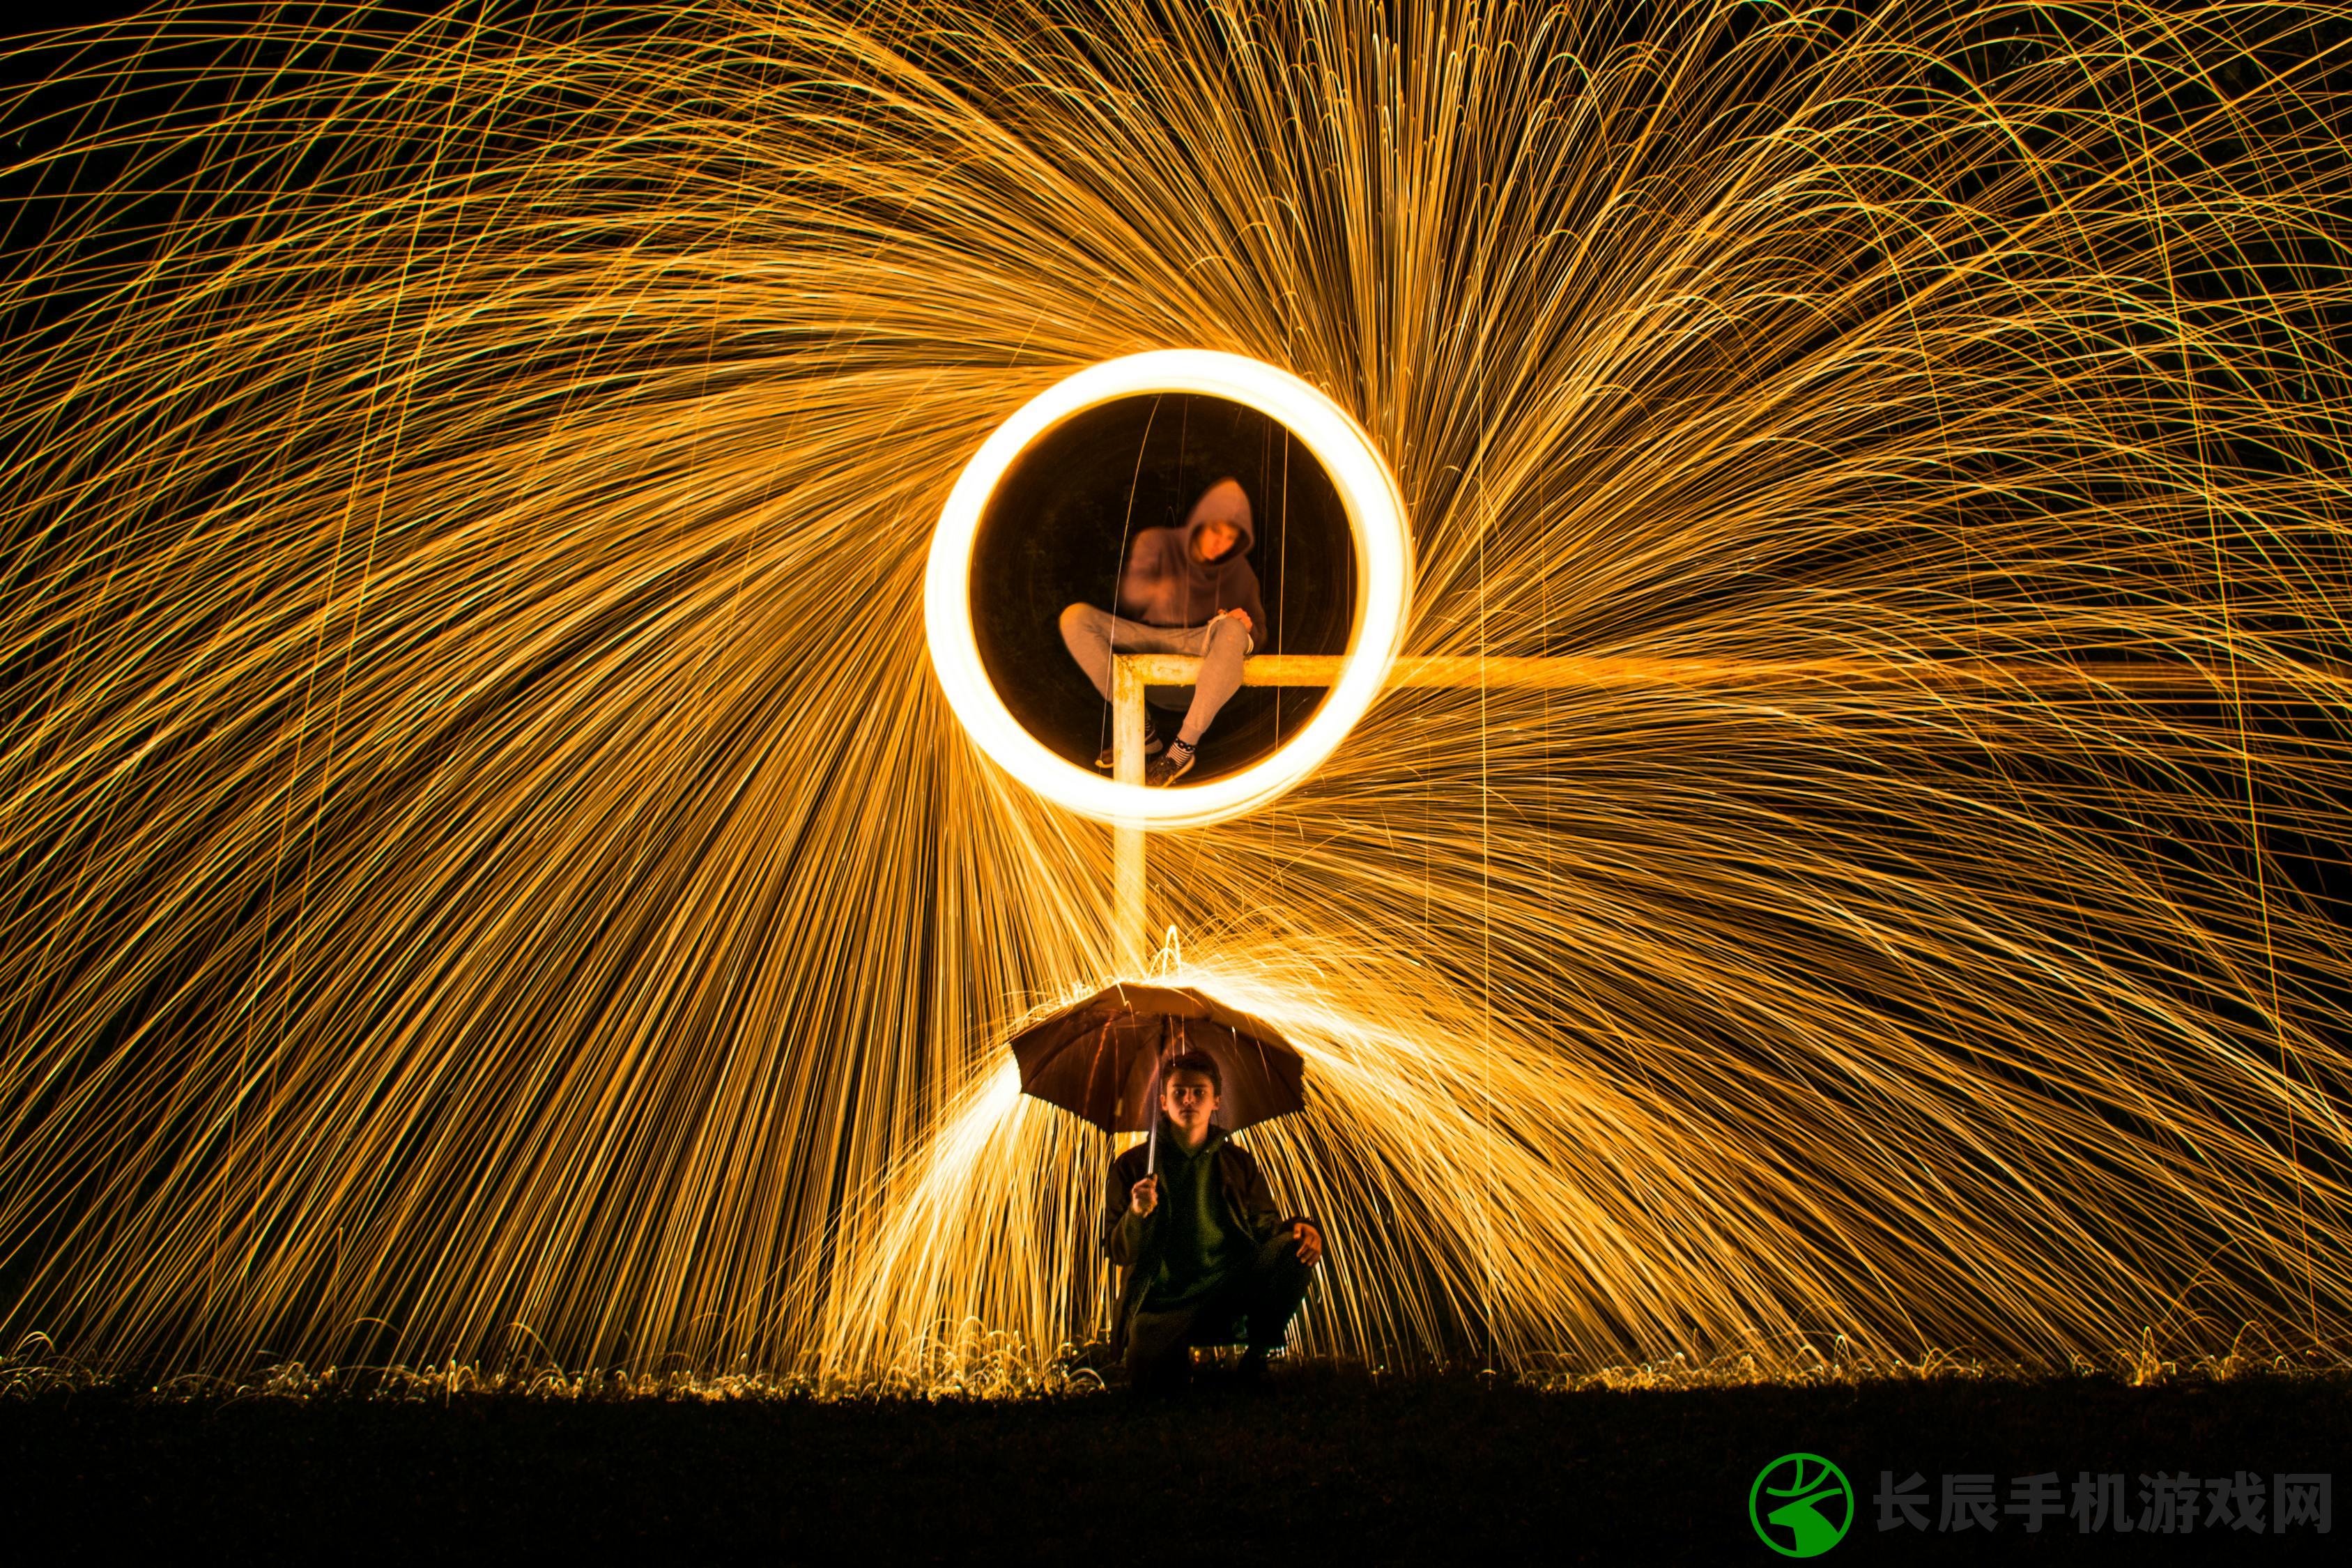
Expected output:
(1152, 746)
(1253, 1374)
(1170, 766)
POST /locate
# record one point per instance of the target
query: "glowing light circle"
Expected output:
(1375, 511)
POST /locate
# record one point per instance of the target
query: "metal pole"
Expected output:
(2042, 678)
(1128, 932)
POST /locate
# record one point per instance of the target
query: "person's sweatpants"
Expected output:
(1093, 636)
(1261, 1298)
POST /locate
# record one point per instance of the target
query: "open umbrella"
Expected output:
(1099, 1059)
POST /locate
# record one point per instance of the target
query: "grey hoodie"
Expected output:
(1164, 586)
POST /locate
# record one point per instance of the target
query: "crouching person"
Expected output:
(1206, 1261)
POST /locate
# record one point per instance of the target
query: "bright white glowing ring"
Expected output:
(1375, 512)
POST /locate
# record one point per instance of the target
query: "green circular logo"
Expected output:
(1800, 1505)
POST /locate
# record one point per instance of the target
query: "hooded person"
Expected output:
(1184, 590)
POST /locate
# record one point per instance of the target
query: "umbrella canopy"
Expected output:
(1099, 1059)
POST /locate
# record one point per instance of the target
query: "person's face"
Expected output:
(1214, 540)
(1190, 1100)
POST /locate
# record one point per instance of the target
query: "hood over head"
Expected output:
(1163, 586)
(1224, 501)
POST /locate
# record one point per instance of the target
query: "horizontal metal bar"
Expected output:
(1589, 673)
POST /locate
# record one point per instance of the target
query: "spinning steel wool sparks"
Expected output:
(493, 871)
(1384, 565)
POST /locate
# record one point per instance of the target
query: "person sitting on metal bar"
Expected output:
(1187, 590)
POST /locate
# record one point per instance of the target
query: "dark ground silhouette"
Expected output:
(1336, 1467)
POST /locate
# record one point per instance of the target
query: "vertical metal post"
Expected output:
(1126, 837)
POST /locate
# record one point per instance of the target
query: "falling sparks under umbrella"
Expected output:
(1099, 1059)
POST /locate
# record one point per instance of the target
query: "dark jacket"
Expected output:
(1249, 1209)
(1163, 586)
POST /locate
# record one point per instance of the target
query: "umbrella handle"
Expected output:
(1151, 1139)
